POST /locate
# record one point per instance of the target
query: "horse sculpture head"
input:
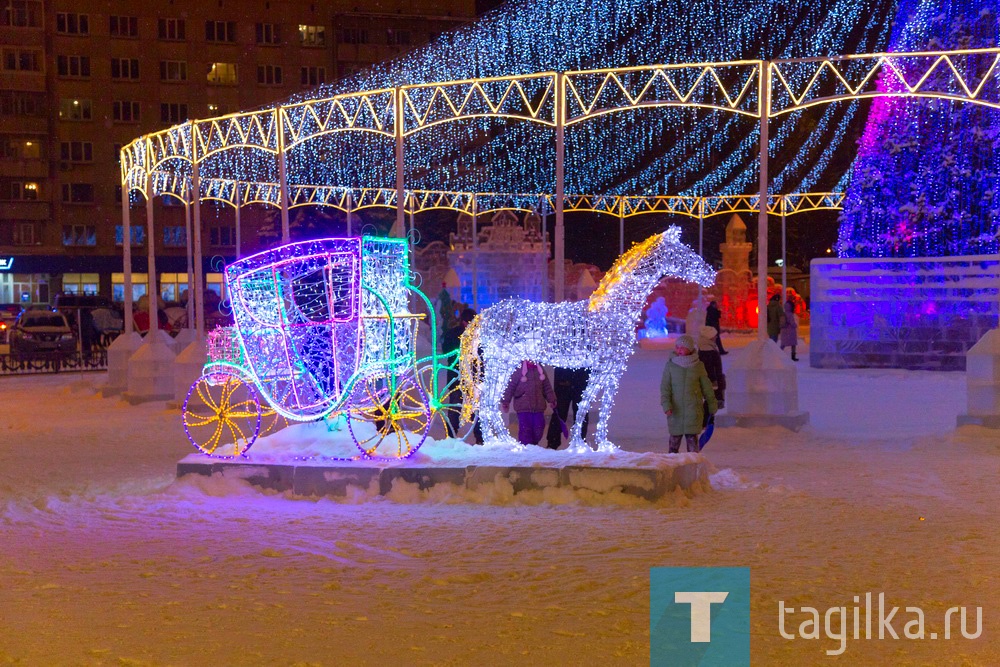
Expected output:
(625, 287)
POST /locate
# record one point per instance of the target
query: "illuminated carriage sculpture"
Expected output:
(322, 329)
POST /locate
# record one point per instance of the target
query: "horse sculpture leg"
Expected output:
(608, 387)
(590, 393)
(496, 374)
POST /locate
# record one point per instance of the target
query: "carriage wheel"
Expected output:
(222, 415)
(447, 412)
(397, 423)
(271, 421)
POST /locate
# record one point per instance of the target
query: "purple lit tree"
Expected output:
(926, 180)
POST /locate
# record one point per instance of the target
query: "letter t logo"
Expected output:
(701, 611)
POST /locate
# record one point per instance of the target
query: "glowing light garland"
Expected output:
(597, 333)
(322, 328)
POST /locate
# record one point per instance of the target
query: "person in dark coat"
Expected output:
(790, 327)
(713, 318)
(569, 384)
(774, 315)
(685, 391)
(710, 356)
(528, 392)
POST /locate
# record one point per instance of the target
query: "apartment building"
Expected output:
(81, 78)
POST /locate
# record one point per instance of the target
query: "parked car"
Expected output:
(8, 315)
(41, 333)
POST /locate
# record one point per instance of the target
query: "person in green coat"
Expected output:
(685, 391)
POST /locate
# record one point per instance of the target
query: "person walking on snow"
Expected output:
(713, 318)
(684, 391)
(790, 326)
(529, 391)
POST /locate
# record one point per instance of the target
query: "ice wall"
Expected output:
(921, 313)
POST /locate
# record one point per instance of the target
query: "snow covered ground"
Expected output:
(105, 559)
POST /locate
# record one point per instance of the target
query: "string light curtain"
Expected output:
(648, 151)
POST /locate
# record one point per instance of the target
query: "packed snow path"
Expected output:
(107, 560)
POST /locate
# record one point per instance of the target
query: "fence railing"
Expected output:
(96, 360)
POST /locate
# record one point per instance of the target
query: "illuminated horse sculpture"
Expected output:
(597, 333)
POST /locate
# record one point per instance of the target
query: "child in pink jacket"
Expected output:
(529, 391)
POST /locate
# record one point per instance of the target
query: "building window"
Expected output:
(123, 26)
(398, 37)
(354, 36)
(222, 236)
(75, 109)
(268, 33)
(173, 70)
(313, 76)
(73, 66)
(124, 111)
(81, 283)
(125, 69)
(223, 74)
(76, 151)
(78, 193)
(21, 191)
(312, 35)
(72, 24)
(220, 31)
(21, 13)
(21, 103)
(175, 236)
(20, 149)
(269, 75)
(25, 234)
(22, 60)
(79, 235)
(138, 234)
(173, 112)
(171, 29)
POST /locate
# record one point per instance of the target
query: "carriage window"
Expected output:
(309, 294)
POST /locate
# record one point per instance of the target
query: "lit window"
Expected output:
(312, 35)
(222, 74)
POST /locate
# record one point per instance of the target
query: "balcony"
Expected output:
(25, 210)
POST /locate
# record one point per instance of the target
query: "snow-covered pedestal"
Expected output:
(151, 370)
(184, 338)
(762, 389)
(187, 368)
(119, 352)
(982, 378)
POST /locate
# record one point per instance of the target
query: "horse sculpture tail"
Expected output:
(470, 369)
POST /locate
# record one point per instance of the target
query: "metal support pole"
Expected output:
(127, 254)
(475, 253)
(621, 226)
(199, 279)
(701, 235)
(764, 100)
(400, 157)
(188, 254)
(784, 258)
(151, 291)
(282, 179)
(238, 208)
(350, 203)
(560, 230)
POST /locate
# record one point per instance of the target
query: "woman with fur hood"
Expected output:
(685, 390)
(528, 392)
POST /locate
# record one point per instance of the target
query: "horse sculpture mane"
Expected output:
(598, 334)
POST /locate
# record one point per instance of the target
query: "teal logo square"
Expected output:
(699, 616)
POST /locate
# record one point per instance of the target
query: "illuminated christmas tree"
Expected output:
(926, 179)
